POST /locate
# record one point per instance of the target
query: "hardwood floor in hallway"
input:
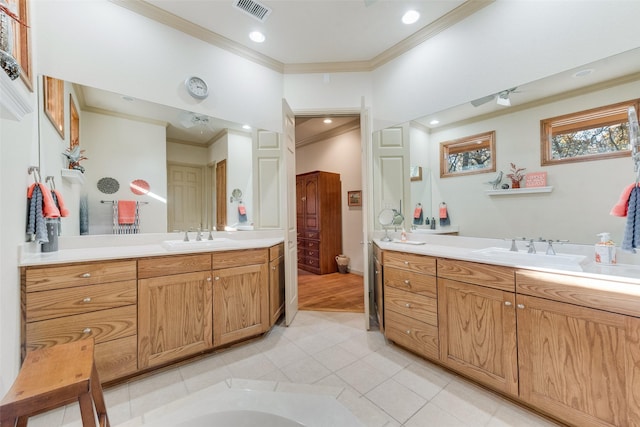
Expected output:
(330, 292)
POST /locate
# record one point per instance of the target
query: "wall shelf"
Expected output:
(512, 191)
(73, 176)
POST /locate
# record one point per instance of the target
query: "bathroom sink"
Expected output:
(563, 261)
(181, 245)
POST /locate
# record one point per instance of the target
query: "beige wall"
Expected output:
(340, 154)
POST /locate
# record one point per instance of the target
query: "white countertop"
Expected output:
(470, 249)
(100, 248)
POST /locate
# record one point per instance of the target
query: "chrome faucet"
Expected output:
(199, 235)
(186, 236)
(550, 250)
(514, 247)
(532, 247)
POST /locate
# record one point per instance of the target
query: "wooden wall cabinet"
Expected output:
(319, 221)
(276, 282)
(410, 302)
(174, 308)
(240, 295)
(477, 320)
(77, 301)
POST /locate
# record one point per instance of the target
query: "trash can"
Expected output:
(52, 235)
(343, 263)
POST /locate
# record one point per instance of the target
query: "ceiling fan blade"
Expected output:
(478, 102)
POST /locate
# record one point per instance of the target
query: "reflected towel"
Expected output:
(36, 228)
(64, 212)
(631, 239)
(444, 215)
(417, 215)
(126, 211)
(49, 208)
(620, 208)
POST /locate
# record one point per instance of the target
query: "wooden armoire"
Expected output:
(319, 221)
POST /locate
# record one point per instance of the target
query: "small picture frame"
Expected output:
(415, 172)
(536, 179)
(354, 198)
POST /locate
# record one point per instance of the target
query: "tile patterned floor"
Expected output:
(321, 353)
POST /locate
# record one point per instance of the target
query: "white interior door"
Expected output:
(184, 197)
(365, 144)
(291, 237)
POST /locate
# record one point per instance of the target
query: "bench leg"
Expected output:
(98, 398)
(86, 410)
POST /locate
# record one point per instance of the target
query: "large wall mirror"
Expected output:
(577, 206)
(171, 163)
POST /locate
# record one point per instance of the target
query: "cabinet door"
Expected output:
(276, 289)
(240, 303)
(578, 363)
(174, 317)
(478, 333)
(311, 208)
(378, 295)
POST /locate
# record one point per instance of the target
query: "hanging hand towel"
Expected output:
(57, 197)
(36, 228)
(49, 208)
(631, 239)
(620, 208)
(417, 215)
(126, 211)
(444, 215)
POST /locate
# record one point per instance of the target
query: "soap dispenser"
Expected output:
(605, 250)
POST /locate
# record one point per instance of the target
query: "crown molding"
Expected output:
(323, 136)
(125, 116)
(14, 101)
(466, 9)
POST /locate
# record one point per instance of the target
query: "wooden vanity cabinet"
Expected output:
(579, 363)
(240, 295)
(477, 318)
(174, 308)
(276, 282)
(410, 302)
(64, 303)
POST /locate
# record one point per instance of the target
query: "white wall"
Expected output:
(188, 154)
(583, 193)
(100, 44)
(340, 154)
(506, 44)
(125, 150)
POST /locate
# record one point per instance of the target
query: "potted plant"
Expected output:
(516, 175)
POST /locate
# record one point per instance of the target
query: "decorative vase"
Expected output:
(515, 184)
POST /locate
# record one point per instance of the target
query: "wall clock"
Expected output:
(197, 87)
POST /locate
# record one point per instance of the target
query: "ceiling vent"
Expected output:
(253, 8)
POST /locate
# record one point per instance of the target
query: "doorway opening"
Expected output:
(330, 149)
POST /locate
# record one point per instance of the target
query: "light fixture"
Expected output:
(410, 17)
(246, 127)
(503, 99)
(257, 36)
(327, 121)
(434, 122)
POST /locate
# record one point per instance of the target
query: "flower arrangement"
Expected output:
(516, 175)
(75, 155)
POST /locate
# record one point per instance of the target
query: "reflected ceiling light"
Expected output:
(503, 99)
(246, 127)
(127, 98)
(583, 73)
(410, 17)
(327, 121)
(434, 122)
(257, 36)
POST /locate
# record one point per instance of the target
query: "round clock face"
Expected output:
(197, 87)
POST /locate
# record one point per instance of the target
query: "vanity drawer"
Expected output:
(239, 258)
(417, 307)
(116, 358)
(276, 251)
(411, 262)
(492, 276)
(82, 299)
(408, 281)
(103, 326)
(176, 264)
(412, 334)
(67, 276)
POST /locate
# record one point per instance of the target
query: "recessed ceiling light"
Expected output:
(246, 127)
(410, 17)
(434, 122)
(583, 73)
(257, 36)
(327, 121)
